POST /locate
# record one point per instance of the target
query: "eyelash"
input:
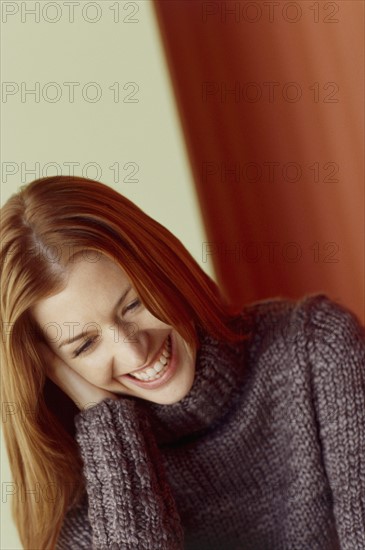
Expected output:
(86, 347)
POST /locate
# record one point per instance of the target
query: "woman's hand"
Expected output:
(83, 393)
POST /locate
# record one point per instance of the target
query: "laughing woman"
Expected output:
(146, 412)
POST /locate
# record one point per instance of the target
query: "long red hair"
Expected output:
(43, 226)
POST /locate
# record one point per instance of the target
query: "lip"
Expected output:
(172, 365)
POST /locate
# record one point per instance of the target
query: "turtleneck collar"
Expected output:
(219, 373)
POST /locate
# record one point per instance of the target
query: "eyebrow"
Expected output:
(83, 334)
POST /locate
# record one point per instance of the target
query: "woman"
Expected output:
(147, 412)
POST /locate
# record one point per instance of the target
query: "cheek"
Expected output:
(95, 372)
(149, 320)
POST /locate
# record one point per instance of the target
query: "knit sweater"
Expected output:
(265, 452)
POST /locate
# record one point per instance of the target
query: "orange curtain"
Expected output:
(271, 101)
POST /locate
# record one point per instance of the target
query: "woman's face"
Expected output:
(116, 337)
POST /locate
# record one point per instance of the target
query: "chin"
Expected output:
(174, 394)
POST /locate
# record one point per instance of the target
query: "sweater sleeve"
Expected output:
(336, 347)
(129, 504)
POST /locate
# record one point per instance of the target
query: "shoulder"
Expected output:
(316, 315)
(314, 326)
(321, 315)
(331, 340)
(312, 350)
(331, 332)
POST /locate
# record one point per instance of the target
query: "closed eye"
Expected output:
(132, 306)
(85, 347)
(91, 341)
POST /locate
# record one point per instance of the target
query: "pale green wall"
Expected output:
(105, 132)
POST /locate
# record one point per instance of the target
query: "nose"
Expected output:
(129, 350)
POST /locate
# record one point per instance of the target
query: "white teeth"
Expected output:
(150, 372)
(160, 365)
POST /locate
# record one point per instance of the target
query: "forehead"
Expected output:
(93, 285)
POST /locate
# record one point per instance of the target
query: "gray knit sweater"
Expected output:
(266, 451)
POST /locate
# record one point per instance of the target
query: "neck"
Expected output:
(219, 372)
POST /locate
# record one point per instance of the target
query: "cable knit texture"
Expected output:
(265, 452)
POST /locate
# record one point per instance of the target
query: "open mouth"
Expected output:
(159, 367)
(160, 372)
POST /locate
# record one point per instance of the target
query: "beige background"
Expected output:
(106, 133)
